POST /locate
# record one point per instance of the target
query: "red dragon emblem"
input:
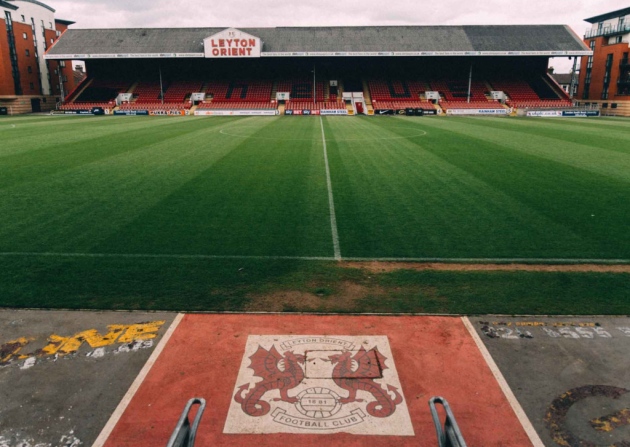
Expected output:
(369, 364)
(266, 365)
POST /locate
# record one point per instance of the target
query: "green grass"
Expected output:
(403, 188)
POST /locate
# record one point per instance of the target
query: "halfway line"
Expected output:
(331, 202)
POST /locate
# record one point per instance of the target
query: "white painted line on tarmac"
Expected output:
(331, 202)
(496, 372)
(131, 392)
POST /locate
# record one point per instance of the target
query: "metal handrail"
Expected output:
(449, 435)
(184, 434)
(608, 30)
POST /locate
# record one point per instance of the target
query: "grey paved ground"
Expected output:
(62, 374)
(572, 376)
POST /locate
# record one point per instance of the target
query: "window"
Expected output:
(600, 25)
(609, 60)
(605, 92)
(618, 39)
(28, 53)
(29, 69)
(25, 36)
(58, 33)
(23, 18)
(613, 105)
(65, 78)
(592, 44)
(621, 20)
(50, 25)
(52, 40)
(62, 64)
(32, 86)
(604, 105)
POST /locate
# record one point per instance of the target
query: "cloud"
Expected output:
(255, 13)
(270, 13)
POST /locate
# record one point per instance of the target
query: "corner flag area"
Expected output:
(120, 379)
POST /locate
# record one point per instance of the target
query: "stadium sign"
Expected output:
(232, 43)
(262, 112)
(580, 113)
(334, 112)
(173, 112)
(546, 113)
(476, 112)
(131, 112)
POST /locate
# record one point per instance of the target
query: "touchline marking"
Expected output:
(331, 202)
(164, 256)
(131, 392)
(516, 406)
(319, 258)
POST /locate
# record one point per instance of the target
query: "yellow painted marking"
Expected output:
(612, 421)
(10, 349)
(63, 345)
(68, 345)
(145, 331)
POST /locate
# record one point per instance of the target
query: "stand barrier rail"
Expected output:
(448, 435)
(184, 433)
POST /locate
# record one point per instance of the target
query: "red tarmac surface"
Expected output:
(434, 356)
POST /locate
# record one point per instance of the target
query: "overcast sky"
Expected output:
(269, 13)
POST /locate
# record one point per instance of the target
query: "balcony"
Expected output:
(608, 31)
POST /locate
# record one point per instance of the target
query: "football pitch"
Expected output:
(125, 197)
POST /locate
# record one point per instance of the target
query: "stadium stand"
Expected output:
(396, 90)
(158, 105)
(398, 94)
(302, 89)
(180, 91)
(521, 94)
(357, 58)
(87, 105)
(100, 91)
(458, 90)
(239, 91)
(147, 92)
(226, 105)
(305, 105)
(470, 105)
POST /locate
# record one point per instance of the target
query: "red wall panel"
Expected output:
(6, 75)
(21, 45)
(598, 71)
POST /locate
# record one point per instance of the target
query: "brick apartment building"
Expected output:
(605, 76)
(28, 82)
